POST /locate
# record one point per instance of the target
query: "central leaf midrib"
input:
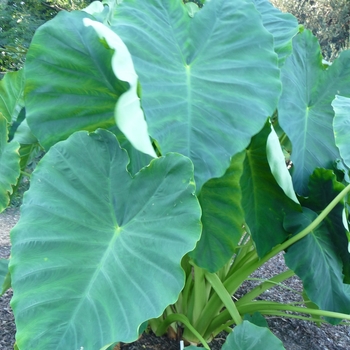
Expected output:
(89, 287)
(189, 107)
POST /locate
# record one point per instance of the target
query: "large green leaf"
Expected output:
(97, 252)
(208, 82)
(248, 336)
(323, 188)
(11, 95)
(305, 112)
(341, 125)
(70, 81)
(264, 202)
(316, 260)
(9, 164)
(283, 27)
(222, 218)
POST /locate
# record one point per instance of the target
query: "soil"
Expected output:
(295, 334)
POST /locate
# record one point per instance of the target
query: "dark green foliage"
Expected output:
(200, 3)
(18, 22)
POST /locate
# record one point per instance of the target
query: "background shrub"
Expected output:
(328, 20)
(18, 22)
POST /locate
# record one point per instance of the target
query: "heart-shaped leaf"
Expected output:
(208, 82)
(305, 112)
(323, 188)
(317, 262)
(91, 255)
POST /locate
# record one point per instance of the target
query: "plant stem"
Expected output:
(222, 273)
(312, 226)
(261, 288)
(225, 297)
(298, 317)
(186, 292)
(224, 316)
(237, 279)
(184, 320)
(226, 327)
(210, 310)
(200, 293)
(283, 138)
(246, 255)
(268, 307)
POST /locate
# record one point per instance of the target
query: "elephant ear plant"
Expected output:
(166, 129)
